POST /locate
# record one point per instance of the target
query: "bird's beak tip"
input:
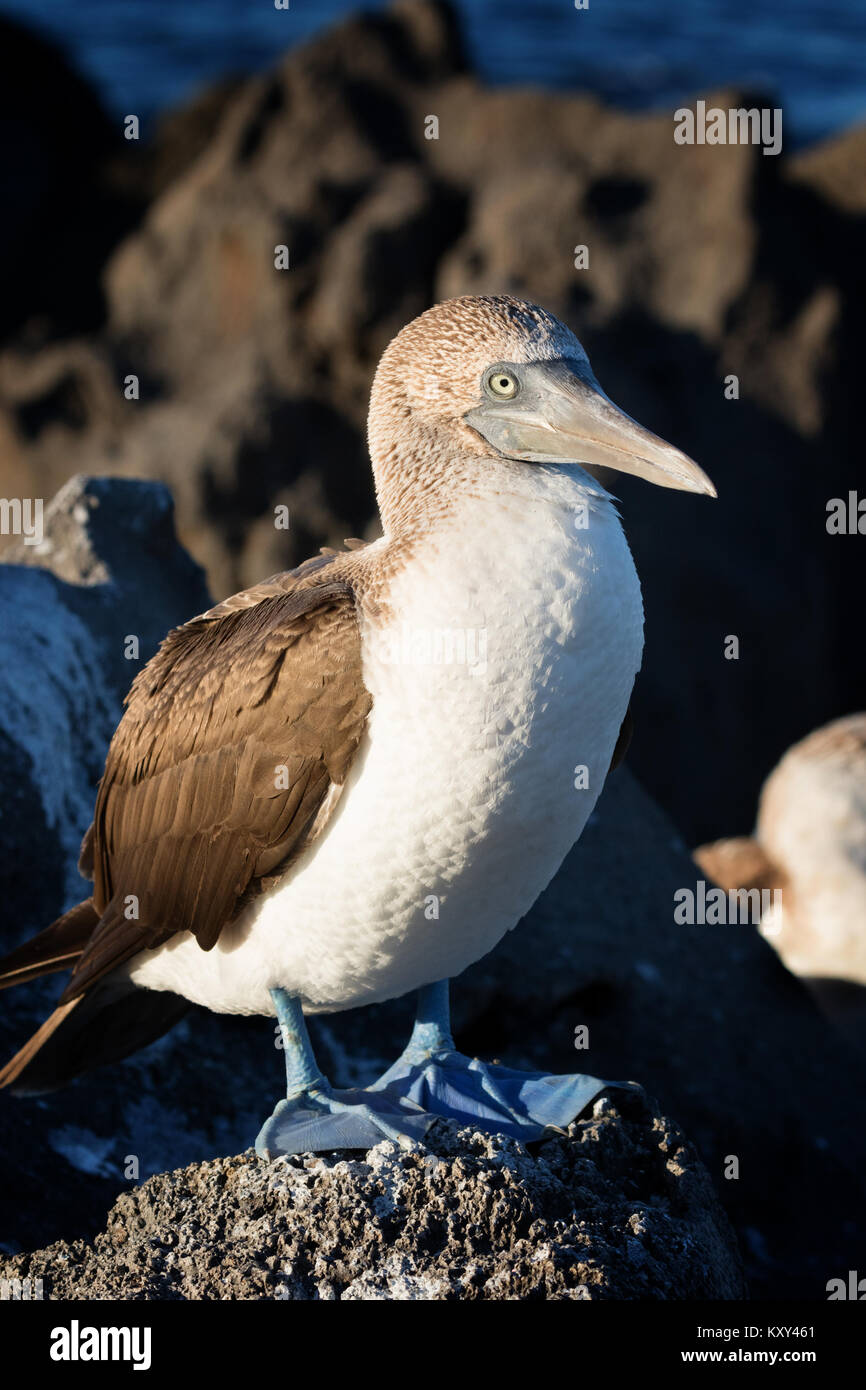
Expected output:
(702, 486)
(707, 487)
(671, 468)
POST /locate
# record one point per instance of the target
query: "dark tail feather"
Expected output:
(19, 1063)
(110, 1022)
(56, 948)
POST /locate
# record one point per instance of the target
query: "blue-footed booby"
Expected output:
(348, 782)
(804, 869)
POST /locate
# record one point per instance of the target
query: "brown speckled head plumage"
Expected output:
(429, 376)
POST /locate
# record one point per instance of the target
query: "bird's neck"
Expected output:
(423, 488)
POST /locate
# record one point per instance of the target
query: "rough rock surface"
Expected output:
(704, 261)
(621, 1208)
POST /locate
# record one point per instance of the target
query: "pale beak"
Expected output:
(561, 415)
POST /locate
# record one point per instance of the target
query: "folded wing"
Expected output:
(234, 735)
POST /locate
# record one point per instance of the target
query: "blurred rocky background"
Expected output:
(155, 260)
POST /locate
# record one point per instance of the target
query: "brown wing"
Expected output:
(232, 738)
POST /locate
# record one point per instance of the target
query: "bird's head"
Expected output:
(496, 376)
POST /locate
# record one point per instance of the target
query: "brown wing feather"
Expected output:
(56, 948)
(190, 812)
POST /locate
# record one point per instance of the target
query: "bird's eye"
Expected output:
(502, 384)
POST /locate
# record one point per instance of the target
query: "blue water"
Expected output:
(810, 55)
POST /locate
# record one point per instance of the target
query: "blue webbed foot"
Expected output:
(433, 1074)
(315, 1118)
(522, 1104)
(319, 1120)
(430, 1079)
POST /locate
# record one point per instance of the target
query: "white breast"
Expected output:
(505, 668)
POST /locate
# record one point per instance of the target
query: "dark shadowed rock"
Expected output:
(62, 212)
(621, 1208)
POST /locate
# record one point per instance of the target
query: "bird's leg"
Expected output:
(432, 1030)
(302, 1071)
(433, 1074)
(432, 1037)
(316, 1118)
